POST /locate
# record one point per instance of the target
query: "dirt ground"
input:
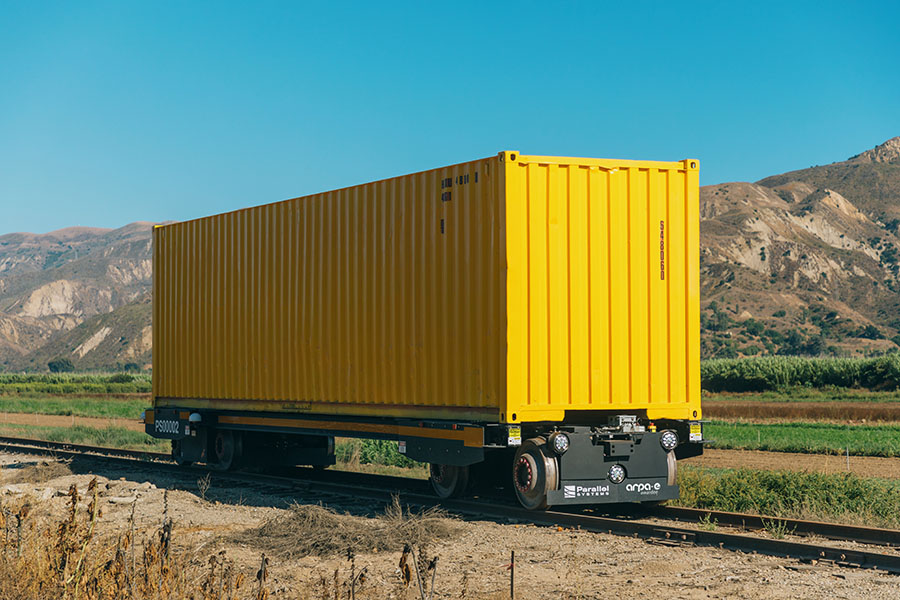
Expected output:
(550, 563)
(67, 421)
(864, 466)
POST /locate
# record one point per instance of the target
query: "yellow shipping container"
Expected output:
(509, 289)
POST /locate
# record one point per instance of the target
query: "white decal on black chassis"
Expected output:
(579, 491)
(645, 489)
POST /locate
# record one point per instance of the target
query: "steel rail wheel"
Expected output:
(226, 449)
(534, 474)
(449, 481)
(671, 468)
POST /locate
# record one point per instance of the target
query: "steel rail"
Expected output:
(851, 557)
(832, 531)
(80, 449)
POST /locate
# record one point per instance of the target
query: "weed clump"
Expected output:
(71, 559)
(316, 530)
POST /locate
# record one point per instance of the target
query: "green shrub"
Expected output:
(774, 335)
(869, 332)
(60, 365)
(374, 452)
(753, 327)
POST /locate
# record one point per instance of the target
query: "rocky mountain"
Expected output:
(75, 292)
(806, 262)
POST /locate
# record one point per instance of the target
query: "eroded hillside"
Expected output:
(805, 262)
(76, 293)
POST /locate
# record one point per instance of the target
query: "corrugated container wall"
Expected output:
(506, 289)
(603, 288)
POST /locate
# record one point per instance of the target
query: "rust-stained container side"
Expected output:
(380, 299)
(513, 288)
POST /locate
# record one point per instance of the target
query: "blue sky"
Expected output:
(123, 111)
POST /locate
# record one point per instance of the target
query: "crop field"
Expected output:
(90, 406)
(807, 437)
(802, 389)
(782, 372)
(802, 395)
(75, 383)
(843, 412)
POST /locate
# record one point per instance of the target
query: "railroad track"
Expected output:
(639, 521)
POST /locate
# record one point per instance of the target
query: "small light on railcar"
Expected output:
(668, 440)
(195, 418)
(559, 442)
(143, 416)
(616, 474)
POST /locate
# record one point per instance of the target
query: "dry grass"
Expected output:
(315, 530)
(46, 555)
(38, 472)
(43, 559)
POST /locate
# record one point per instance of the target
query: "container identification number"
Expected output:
(170, 427)
(447, 183)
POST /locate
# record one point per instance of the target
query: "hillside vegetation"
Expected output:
(80, 293)
(804, 263)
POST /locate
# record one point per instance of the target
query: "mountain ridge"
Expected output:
(804, 262)
(53, 283)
